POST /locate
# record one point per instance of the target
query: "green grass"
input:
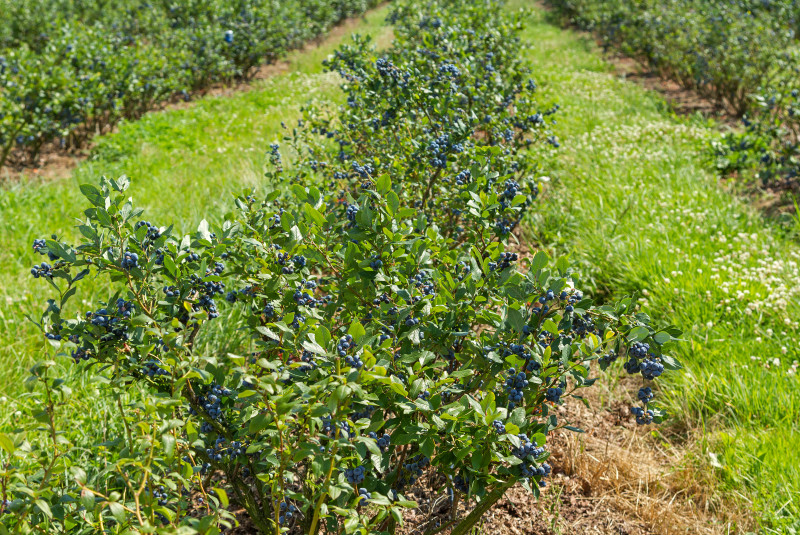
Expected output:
(633, 202)
(185, 165)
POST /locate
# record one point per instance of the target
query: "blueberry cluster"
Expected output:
(422, 281)
(109, 322)
(364, 496)
(645, 394)
(582, 325)
(530, 470)
(461, 483)
(609, 357)
(554, 393)
(350, 213)
(412, 470)
(329, 428)
(512, 189)
(211, 401)
(355, 475)
(515, 385)
(307, 358)
(343, 347)
(641, 360)
(304, 298)
(527, 448)
(42, 270)
(651, 368)
(384, 442)
(439, 149)
(124, 308)
(152, 369)
(159, 494)
(152, 231)
(364, 171)
(275, 158)
(643, 416)
(80, 354)
(365, 413)
(463, 177)
(172, 291)
(129, 260)
(449, 69)
(503, 261)
(499, 427)
(40, 246)
(287, 512)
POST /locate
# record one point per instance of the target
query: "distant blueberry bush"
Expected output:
(741, 55)
(768, 145)
(71, 69)
(364, 327)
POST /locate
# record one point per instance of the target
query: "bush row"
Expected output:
(70, 70)
(741, 55)
(362, 329)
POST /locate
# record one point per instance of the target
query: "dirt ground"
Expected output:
(616, 478)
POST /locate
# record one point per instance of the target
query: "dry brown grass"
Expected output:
(649, 477)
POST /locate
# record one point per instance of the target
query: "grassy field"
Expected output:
(185, 164)
(633, 202)
(630, 198)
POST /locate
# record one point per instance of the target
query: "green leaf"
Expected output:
(356, 330)
(94, 195)
(427, 447)
(222, 495)
(314, 215)
(44, 507)
(539, 261)
(383, 183)
(297, 236)
(638, 334)
(662, 338)
(670, 363)
(394, 202)
(7, 444)
(117, 511)
(514, 317)
(170, 266)
(169, 445)
(87, 500)
(322, 336)
(517, 417)
(202, 230)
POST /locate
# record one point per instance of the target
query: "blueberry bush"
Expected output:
(724, 50)
(742, 56)
(63, 79)
(364, 327)
(767, 147)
